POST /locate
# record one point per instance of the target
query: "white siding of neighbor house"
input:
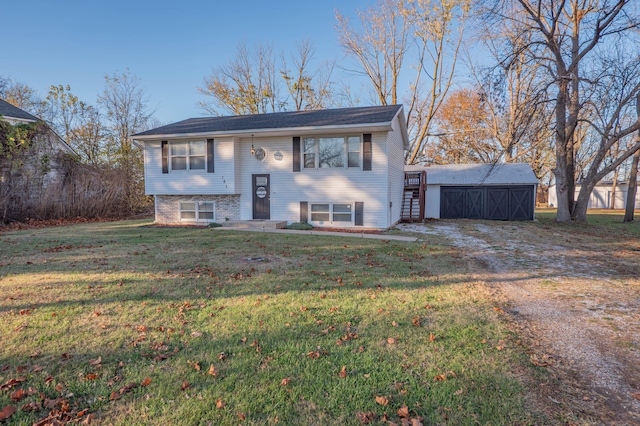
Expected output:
(197, 182)
(600, 197)
(395, 150)
(330, 185)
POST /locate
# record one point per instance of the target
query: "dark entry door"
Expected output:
(261, 196)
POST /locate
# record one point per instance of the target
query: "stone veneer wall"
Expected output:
(168, 207)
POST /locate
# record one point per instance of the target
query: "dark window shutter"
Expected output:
(296, 154)
(366, 151)
(210, 157)
(359, 219)
(165, 156)
(304, 211)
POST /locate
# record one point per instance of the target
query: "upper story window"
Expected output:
(328, 152)
(188, 155)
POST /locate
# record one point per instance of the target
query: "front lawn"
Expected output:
(122, 323)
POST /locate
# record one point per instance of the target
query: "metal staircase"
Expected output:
(413, 196)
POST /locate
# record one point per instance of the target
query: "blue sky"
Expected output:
(170, 45)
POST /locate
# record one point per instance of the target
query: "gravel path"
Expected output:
(577, 313)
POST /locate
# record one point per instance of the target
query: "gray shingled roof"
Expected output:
(10, 111)
(478, 174)
(279, 120)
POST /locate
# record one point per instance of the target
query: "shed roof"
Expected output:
(10, 111)
(327, 118)
(478, 174)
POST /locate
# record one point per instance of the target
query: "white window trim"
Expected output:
(197, 203)
(345, 153)
(187, 156)
(331, 213)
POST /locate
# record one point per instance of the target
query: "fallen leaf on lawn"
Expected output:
(59, 387)
(440, 378)
(366, 417)
(415, 321)
(343, 371)
(498, 309)
(194, 364)
(499, 348)
(185, 385)
(393, 323)
(432, 338)
(12, 383)
(222, 356)
(459, 392)
(382, 400)
(127, 388)
(91, 376)
(403, 411)
(213, 371)
(146, 382)
(196, 334)
(114, 396)
(416, 422)
(96, 361)
(220, 404)
(392, 340)
(636, 395)
(241, 416)
(18, 395)
(7, 412)
(284, 381)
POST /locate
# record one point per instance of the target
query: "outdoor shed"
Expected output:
(601, 196)
(479, 191)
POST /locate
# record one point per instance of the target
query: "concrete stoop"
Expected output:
(254, 224)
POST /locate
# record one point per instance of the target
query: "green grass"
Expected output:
(262, 309)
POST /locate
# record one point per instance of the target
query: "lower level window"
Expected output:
(199, 211)
(332, 213)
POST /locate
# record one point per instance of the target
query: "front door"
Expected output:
(261, 197)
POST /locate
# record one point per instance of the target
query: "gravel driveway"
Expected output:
(574, 303)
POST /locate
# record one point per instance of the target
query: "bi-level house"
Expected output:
(339, 168)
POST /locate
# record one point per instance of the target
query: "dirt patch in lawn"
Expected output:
(574, 297)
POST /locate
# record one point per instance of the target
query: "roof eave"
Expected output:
(281, 131)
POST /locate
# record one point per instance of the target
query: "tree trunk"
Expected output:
(632, 189)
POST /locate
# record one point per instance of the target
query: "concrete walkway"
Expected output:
(323, 233)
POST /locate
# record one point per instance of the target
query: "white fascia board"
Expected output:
(289, 131)
(403, 128)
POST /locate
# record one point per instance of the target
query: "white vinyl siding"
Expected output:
(345, 185)
(395, 185)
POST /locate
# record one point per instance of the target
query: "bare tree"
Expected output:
(245, 85)
(308, 88)
(566, 37)
(125, 105)
(420, 39)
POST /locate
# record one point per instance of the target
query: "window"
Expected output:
(188, 155)
(339, 214)
(197, 211)
(332, 152)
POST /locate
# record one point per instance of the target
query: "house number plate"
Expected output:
(261, 192)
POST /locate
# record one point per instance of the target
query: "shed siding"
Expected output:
(288, 188)
(395, 186)
(190, 182)
(432, 201)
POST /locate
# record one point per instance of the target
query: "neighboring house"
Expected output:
(479, 191)
(28, 171)
(600, 196)
(340, 168)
